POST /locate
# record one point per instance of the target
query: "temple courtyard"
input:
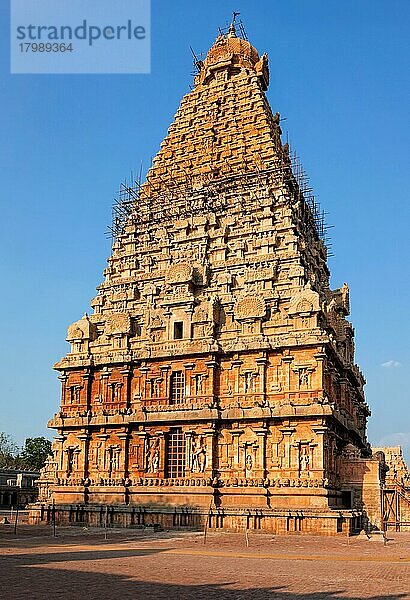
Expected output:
(81, 563)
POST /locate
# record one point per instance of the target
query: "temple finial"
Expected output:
(232, 28)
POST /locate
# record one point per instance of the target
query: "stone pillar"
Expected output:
(161, 446)
(319, 373)
(295, 464)
(59, 439)
(63, 378)
(236, 434)
(85, 442)
(126, 395)
(143, 458)
(144, 371)
(236, 364)
(76, 462)
(188, 368)
(261, 454)
(287, 432)
(103, 437)
(319, 463)
(287, 361)
(262, 364)
(87, 377)
(125, 438)
(104, 387)
(312, 456)
(209, 436)
(165, 370)
(188, 450)
(212, 366)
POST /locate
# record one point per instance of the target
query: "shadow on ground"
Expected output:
(24, 576)
(29, 537)
(21, 560)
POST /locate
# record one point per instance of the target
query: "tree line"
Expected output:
(29, 457)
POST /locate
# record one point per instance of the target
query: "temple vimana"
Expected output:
(214, 383)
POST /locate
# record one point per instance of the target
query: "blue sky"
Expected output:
(339, 75)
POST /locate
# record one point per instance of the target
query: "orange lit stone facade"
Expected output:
(215, 380)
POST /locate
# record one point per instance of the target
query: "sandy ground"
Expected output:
(80, 563)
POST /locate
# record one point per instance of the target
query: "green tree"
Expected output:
(8, 451)
(34, 453)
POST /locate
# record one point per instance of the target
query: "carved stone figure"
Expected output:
(152, 456)
(198, 455)
(304, 460)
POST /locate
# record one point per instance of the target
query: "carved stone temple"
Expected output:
(214, 381)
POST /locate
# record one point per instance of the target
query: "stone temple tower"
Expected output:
(215, 380)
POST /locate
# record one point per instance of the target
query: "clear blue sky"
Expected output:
(340, 76)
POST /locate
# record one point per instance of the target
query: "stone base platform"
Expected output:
(274, 521)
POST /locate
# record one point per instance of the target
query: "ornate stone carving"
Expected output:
(118, 323)
(82, 329)
(250, 307)
(304, 302)
(152, 456)
(350, 451)
(200, 315)
(180, 273)
(198, 454)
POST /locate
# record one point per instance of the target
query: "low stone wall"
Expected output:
(364, 482)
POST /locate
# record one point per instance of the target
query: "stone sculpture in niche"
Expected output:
(198, 454)
(152, 456)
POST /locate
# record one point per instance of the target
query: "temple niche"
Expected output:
(215, 378)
